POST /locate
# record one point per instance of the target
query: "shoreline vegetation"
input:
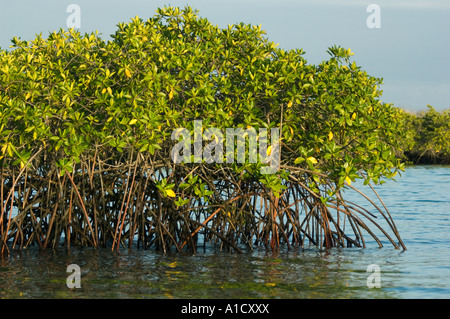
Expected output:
(85, 141)
(428, 137)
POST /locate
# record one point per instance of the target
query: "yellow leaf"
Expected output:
(289, 104)
(127, 73)
(291, 129)
(330, 136)
(353, 116)
(27, 96)
(269, 150)
(133, 121)
(170, 193)
(170, 95)
(312, 160)
(348, 180)
(109, 90)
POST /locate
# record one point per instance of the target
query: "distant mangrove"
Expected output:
(428, 136)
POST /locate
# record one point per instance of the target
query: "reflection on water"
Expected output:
(143, 274)
(419, 203)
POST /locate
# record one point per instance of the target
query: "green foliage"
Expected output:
(77, 104)
(72, 94)
(428, 136)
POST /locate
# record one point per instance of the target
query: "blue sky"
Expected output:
(410, 50)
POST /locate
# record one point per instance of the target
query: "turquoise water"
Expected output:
(419, 202)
